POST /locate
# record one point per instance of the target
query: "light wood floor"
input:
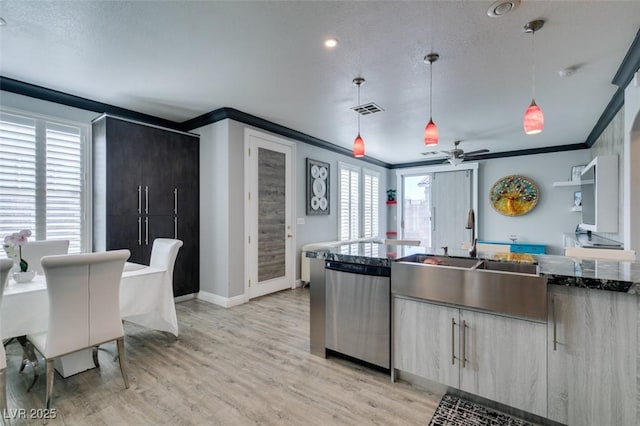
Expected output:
(241, 366)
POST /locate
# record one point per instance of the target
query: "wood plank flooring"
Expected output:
(246, 365)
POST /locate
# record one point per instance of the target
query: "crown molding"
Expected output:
(51, 95)
(489, 156)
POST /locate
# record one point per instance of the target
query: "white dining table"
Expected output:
(146, 299)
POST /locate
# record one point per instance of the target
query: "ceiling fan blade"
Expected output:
(479, 151)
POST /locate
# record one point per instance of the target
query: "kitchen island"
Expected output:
(579, 366)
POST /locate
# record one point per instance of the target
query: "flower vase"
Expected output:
(11, 254)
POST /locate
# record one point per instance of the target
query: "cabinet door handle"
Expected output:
(175, 228)
(139, 199)
(146, 231)
(175, 200)
(555, 324)
(463, 346)
(146, 200)
(139, 231)
(453, 344)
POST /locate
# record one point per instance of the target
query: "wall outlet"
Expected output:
(300, 221)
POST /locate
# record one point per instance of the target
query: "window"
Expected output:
(359, 202)
(371, 204)
(42, 188)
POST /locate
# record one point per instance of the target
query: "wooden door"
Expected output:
(426, 341)
(505, 360)
(269, 213)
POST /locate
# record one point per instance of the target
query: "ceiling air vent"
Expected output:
(367, 109)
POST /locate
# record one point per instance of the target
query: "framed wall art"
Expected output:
(514, 195)
(317, 188)
(576, 171)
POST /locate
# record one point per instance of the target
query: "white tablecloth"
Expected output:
(146, 298)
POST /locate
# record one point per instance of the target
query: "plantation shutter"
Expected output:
(17, 174)
(371, 207)
(349, 202)
(42, 179)
(64, 185)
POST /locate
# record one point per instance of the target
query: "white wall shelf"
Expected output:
(576, 208)
(566, 183)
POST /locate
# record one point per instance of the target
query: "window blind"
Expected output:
(371, 204)
(42, 179)
(349, 203)
(64, 185)
(17, 174)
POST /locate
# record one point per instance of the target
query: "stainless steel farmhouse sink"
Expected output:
(461, 262)
(491, 265)
(513, 289)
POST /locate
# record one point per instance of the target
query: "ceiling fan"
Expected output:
(457, 155)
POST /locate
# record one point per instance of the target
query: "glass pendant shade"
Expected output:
(358, 147)
(533, 119)
(431, 134)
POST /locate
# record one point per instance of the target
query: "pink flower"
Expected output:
(25, 232)
(20, 239)
(10, 239)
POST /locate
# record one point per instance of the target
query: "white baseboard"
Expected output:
(184, 298)
(216, 299)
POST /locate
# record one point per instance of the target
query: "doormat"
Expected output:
(454, 411)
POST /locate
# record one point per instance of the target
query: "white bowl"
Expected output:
(24, 277)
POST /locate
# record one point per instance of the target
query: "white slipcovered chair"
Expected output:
(158, 310)
(5, 266)
(34, 251)
(84, 307)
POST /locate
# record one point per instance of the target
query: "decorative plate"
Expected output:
(514, 195)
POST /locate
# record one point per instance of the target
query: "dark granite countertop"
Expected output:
(560, 270)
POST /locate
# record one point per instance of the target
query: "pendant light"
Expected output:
(431, 130)
(358, 143)
(533, 122)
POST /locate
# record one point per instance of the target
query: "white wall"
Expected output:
(325, 228)
(611, 142)
(631, 205)
(214, 211)
(222, 205)
(552, 215)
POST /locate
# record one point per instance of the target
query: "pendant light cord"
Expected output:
(430, 91)
(533, 66)
(358, 106)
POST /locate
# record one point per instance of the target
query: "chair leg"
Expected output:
(3, 391)
(122, 361)
(28, 358)
(49, 387)
(95, 357)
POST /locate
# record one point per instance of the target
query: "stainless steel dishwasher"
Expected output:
(357, 321)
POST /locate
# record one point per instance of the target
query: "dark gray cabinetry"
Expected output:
(145, 182)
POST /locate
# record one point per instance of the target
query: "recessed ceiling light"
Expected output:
(502, 7)
(331, 43)
(2, 22)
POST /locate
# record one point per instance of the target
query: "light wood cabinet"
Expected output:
(593, 357)
(504, 358)
(427, 341)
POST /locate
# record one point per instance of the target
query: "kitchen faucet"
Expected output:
(471, 221)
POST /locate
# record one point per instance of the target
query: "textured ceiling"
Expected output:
(177, 60)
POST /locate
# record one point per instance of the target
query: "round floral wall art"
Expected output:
(514, 195)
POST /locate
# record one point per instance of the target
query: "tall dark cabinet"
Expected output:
(146, 186)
